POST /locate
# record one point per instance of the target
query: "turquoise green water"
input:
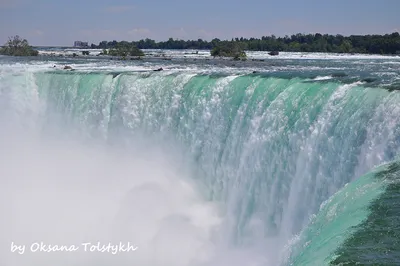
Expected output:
(346, 215)
(376, 240)
(270, 150)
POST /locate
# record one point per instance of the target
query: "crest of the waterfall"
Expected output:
(194, 169)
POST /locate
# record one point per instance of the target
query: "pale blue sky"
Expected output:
(54, 22)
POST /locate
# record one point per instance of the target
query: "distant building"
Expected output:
(81, 44)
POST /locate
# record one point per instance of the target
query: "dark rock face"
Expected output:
(273, 53)
(369, 80)
(67, 67)
(160, 69)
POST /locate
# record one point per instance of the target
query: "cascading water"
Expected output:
(194, 169)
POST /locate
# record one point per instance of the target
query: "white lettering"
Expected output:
(41, 247)
(110, 248)
(85, 246)
(131, 248)
(35, 247)
(17, 248)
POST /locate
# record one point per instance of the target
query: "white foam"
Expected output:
(323, 78)
(202, 54)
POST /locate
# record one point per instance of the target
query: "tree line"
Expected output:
(16, 46)
(371, 44)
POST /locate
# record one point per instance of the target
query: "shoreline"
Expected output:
(188, 54)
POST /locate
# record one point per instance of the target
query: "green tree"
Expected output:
(125, 49)
(229, 49)
(346, 46)
(385, 44)
(15, 46)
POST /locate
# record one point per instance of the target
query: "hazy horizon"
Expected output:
(257, 37)
(47, 23)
